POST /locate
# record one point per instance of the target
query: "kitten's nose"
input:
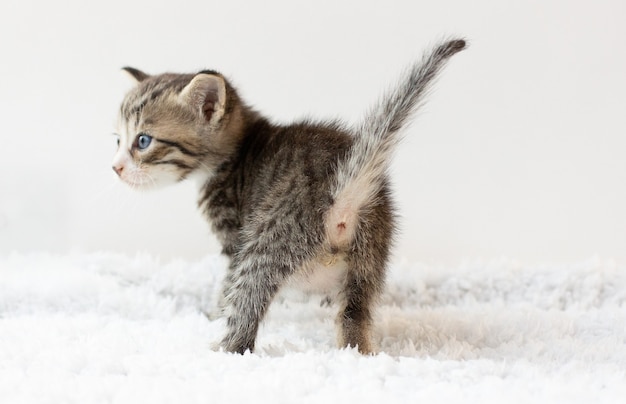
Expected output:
(118, 170)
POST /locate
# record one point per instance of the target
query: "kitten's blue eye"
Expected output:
(143, 141)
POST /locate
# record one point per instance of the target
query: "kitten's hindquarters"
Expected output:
(361, 220)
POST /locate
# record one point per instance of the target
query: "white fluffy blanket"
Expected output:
(108, 328)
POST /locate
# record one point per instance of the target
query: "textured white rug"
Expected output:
(109, 328)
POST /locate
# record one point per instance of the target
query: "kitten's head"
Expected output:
(174, 125)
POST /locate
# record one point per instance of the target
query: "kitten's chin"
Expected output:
(147, 185)
(141, 186)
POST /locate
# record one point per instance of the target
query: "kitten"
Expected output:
(300, 201)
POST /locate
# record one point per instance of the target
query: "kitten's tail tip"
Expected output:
(453, 46)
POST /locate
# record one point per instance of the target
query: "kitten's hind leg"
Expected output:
(367, 261)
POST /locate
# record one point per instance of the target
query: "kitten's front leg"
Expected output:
(246, 304)
(257, 275)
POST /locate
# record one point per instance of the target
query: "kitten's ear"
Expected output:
(206, 94)
(136, 74)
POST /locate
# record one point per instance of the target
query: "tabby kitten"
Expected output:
(306, 201)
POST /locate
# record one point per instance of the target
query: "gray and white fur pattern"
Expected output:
(290, 203)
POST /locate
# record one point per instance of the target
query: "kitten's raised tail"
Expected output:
(361, 174)
(393, 110)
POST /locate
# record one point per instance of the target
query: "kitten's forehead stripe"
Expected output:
(150, 91)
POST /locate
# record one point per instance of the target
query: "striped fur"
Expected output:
(307, 203)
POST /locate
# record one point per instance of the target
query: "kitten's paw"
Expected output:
(226, 347)
(367, 349)
(236, 346)
(240, 349)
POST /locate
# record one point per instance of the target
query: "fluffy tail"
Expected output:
(365, 166)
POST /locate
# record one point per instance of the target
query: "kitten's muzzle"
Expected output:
(118, 170)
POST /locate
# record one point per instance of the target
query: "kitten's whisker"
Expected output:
(151, 179)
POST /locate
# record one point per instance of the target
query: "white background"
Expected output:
(519, 152)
